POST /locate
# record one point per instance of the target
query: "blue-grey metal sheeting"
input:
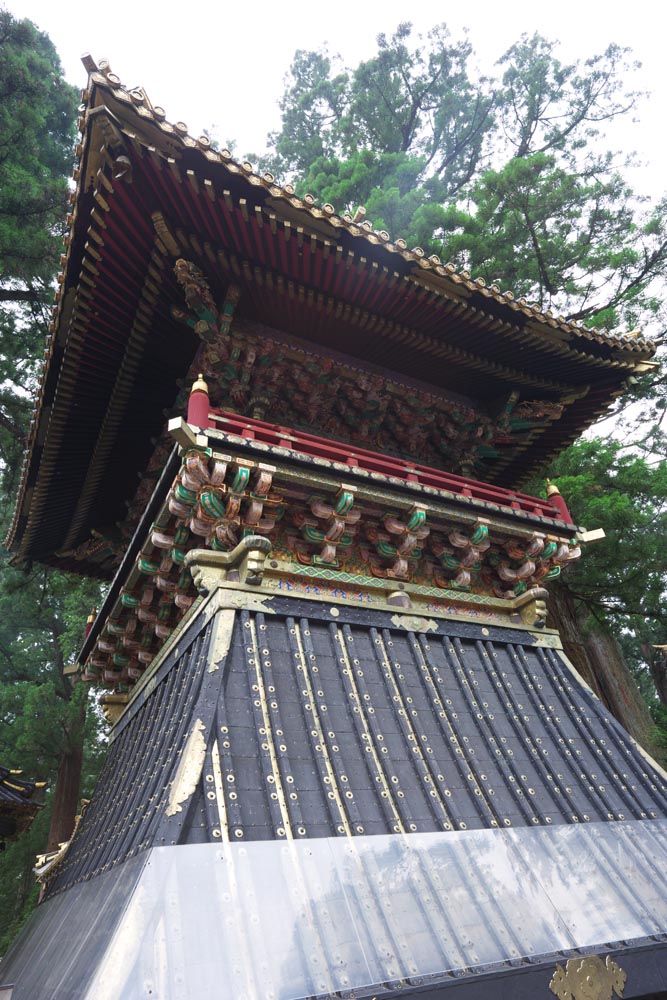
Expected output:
(353, 917)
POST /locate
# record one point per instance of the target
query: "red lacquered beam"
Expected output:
(311, 444)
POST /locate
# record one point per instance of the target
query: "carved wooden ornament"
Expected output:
(588, 979)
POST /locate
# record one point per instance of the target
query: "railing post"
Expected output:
(556, 500)
(198, 404)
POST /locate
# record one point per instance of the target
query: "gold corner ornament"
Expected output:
(588, 979)
(189, 769)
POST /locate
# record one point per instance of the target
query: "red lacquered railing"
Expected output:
(350, 455)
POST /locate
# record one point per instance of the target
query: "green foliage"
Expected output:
(564, 238)
(43, 717)
(414, 101)
(621, 579)
(509, 178)
(513, 179)
(545, 106)
(37, 123)
(37, 128)
(42, 621)
(620, 582)
(386, 184)
(18, 889)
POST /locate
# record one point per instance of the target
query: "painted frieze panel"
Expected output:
(252, 369)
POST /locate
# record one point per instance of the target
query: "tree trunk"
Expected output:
(66, 800)
(66, 797)
(656, 657)
(620, 691)
(596, 655)
(659, 674)
(562, 615)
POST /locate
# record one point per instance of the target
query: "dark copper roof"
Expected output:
(503, 728)
(148, 193)
(270, 765)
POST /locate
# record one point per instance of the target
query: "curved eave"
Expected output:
(301, 268)
(150, 127)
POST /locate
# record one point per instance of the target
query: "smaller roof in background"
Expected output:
(17, 805)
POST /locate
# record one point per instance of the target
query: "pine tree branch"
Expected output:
(22, 295)
(648, 270)
(13, 427)
(541, 263)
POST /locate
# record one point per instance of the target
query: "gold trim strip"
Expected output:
(432, 785)
(266, 717)
(370, 742)
(220, 792)
(321, 737)
(189, 769)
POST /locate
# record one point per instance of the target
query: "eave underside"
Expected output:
(17, 810)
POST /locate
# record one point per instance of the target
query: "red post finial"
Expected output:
(198, 404)
(89, 622)
(556, 501)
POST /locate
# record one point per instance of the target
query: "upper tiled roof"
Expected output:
(148, 193)
(137, 100)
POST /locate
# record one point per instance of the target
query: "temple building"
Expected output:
(18, 806)
(349, 757)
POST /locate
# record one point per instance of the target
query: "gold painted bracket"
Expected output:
(113, 706)
(588, 979)
(532, 606)
(244, 564)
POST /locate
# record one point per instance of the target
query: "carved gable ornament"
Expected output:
(588, 979)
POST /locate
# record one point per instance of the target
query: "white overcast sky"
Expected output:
(220, 65)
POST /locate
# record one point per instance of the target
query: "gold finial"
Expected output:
(200, 385)
(552, 489)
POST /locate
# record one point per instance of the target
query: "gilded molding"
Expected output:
(222, 639)
(189, 769)
(414, 623)
(113, 706)
(588, 979)
(532, 606)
